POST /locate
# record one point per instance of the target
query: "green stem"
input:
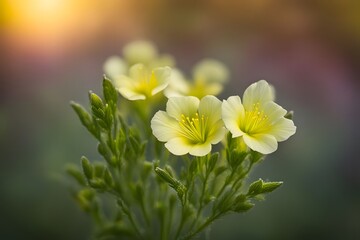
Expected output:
(202, 227)
(201, 201)
(182, 222)
(126, 211)
(144, 211)
(227, 181)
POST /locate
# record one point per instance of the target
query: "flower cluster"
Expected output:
(194, 118)
(163, 117)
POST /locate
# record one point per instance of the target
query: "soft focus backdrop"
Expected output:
(52, 52)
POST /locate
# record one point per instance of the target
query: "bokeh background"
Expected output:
(52, 52)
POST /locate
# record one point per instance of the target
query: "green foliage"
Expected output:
(153, 194)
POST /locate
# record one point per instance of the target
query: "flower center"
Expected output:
(255, 120)
(145, 84)
(194, 128)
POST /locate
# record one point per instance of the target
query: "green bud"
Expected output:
(170, 170)
(87, 168)
(256, 187)
(108, 116)
(236, 158)
(166, 176)
(256, 156)
(147, 167)
(173, 183)
(270, 186)
(243, 206)
(73, 171)
(138, 191)
(97, 109)
(95, 101)
(99, 170)
(103, 151)
(97, 184)
(289, 115)
(84, 117)
(85, 198)
(108, 178)
(110, 93)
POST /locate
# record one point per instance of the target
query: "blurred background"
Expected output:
(52, 52)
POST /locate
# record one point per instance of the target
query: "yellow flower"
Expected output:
(258, 119)
(142, 83)
(189, 125)
(208, 78)
(140, 51)
(211, 71)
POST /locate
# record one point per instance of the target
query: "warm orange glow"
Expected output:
(43, 26)
(53, 25)
(39, 20)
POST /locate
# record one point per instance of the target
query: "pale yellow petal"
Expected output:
(130, 94)
(261, 143)
(283, 129)
(139, 73)
(259, 92)
(114, 66)
(178, 86)
(140, 52)
(201, 89)
(217, 132)
(164, 127)
(210, 71)
(126, 88)
(232, 113)
(123, 81)
(162, 78)
(178, 106)
(210, 107)
(273, 111)
(163, 60)
(200, 149)
(178, 146)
